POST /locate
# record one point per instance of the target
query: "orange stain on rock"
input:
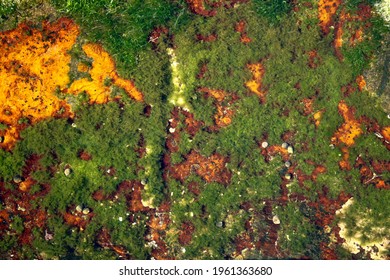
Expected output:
(33, 65)
(255, 85)
(103, 73)
(218, 94)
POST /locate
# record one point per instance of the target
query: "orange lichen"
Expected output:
(350, 129)
(198, 7)
(255, 85)
(33, 64)
(102, 73)
(386, 133)
(361, 82)
(224, 114)
(82, 67)
(240, 27)
(326, 10)
(223, 117)
(219, 95)
(357, 37)
(211, 169)
(317, 118)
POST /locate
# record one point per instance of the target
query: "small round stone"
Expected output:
(275, 220)
(171, 130)
(120, 219)
(287, 164)
(288, 176)
(290, 150)
(67, 171)
(86, 211)
(264, 144)
(18, 179)
(79, 208)
(285, 145)
(219, 224)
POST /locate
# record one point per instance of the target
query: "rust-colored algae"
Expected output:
(255, 85)
(241, 27)
(102, 74)
(326, 11)
(350, 129)
(32, 66)
(211, 169)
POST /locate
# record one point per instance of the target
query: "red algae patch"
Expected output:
(103, 70)
(33, 64)
(255, 85)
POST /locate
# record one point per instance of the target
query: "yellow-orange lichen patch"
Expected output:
(326, 10)
(317, 118)
(223, 117)
(255, 85)
(82, 67)
(102, 73)
(33, 64)
(360, 82)
(218, 94)
(350, 129)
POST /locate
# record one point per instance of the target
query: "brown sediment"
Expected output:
(273, 150)
(207, 38)
(373, 177)
(202, 72)
(157, 33)
(77, 219)
(103, 239)
(326, 12)
(103, 74)
(255, 85)
(325, 213)
(33, 64)
(18, 202)
(192, 125)
(186, 231)
(314, 59)
(241, 28)
(83, 155)
(211, 169)
(208, 9)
